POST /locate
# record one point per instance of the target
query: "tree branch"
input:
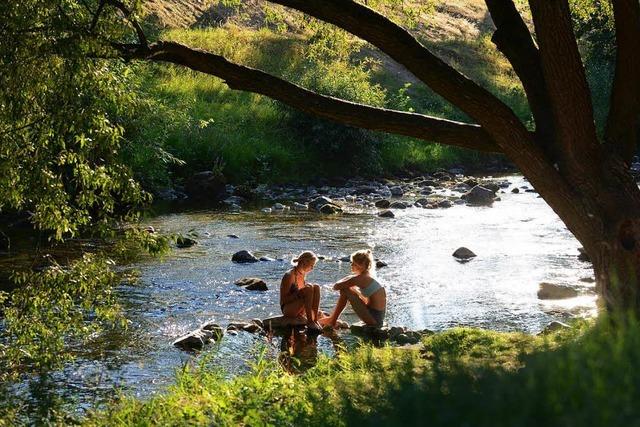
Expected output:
(513, 39)
(251, 80)
(567, 86)
(622, 133)
(142, 38)
(478, 103)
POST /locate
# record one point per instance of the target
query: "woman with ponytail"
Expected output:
(297, 297)
(367, 297)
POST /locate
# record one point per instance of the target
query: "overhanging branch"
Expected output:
(251, 80)
(478, 103)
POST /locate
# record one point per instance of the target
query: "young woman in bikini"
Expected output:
(367, 297)
(297, 297)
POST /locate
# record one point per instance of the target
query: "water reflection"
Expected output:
(299, 349)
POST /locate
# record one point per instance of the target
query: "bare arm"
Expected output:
(345, 283)
(285, 296)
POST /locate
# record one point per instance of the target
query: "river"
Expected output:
(520, 242)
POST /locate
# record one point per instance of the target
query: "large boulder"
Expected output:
(480, 196)
(252, 284)
(206, 186)
(244, 257)
(552, 291)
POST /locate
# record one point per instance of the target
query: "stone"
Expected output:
(266, 259)
(252, 328)
(278, 207)
(197, 339)
(470, 182)
(300, 206)
(386, 214)
(185, 242)
(552, 291)
(193, 341)
(394, 331)
(396, 191)
(515, 190)
(380, 264)
(252, 284)
(422, 202)
(242, 257)
(588, 280)
(257, 322)
(233, 236)
(463, 253)
(491, 186)
(266, 210)
(279, 322)
(318, 202)
(554, 326)
(216, 329)
(479, 195)
(444, 203)
(330, 209)
(383, 203)
(398, 205)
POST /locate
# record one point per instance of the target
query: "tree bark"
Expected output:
(622, 133)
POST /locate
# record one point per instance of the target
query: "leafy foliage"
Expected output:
(59, 118)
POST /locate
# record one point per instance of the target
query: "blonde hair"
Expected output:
(304, 258)
(363, 257)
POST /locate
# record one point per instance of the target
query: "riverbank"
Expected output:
(580, 376)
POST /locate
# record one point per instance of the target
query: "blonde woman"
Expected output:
(297, 297)
(367, 297)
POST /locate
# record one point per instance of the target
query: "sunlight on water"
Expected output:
(519, 243)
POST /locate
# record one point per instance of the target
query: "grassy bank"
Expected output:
(581, 376)
(197, 119)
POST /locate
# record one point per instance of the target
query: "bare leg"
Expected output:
(316, 302)
(307, 293)
(293, 308)
(349, 295)
(360, 308)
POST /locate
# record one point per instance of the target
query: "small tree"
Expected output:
(585, 180)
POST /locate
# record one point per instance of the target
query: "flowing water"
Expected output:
(519, 243)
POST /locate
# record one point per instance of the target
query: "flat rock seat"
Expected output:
(281, 322)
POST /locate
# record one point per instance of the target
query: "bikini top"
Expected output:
(373, 287)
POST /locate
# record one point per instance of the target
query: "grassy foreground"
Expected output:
(581, 376)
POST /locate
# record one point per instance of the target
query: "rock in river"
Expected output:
(197, 339)
(244, 257)
(479, 195)
(185, 242)
(252, 284)
(330, 209)
(386, 214)
(382, 203)
(551, 291)
(463, 253)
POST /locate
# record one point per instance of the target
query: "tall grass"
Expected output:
(581, 376)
